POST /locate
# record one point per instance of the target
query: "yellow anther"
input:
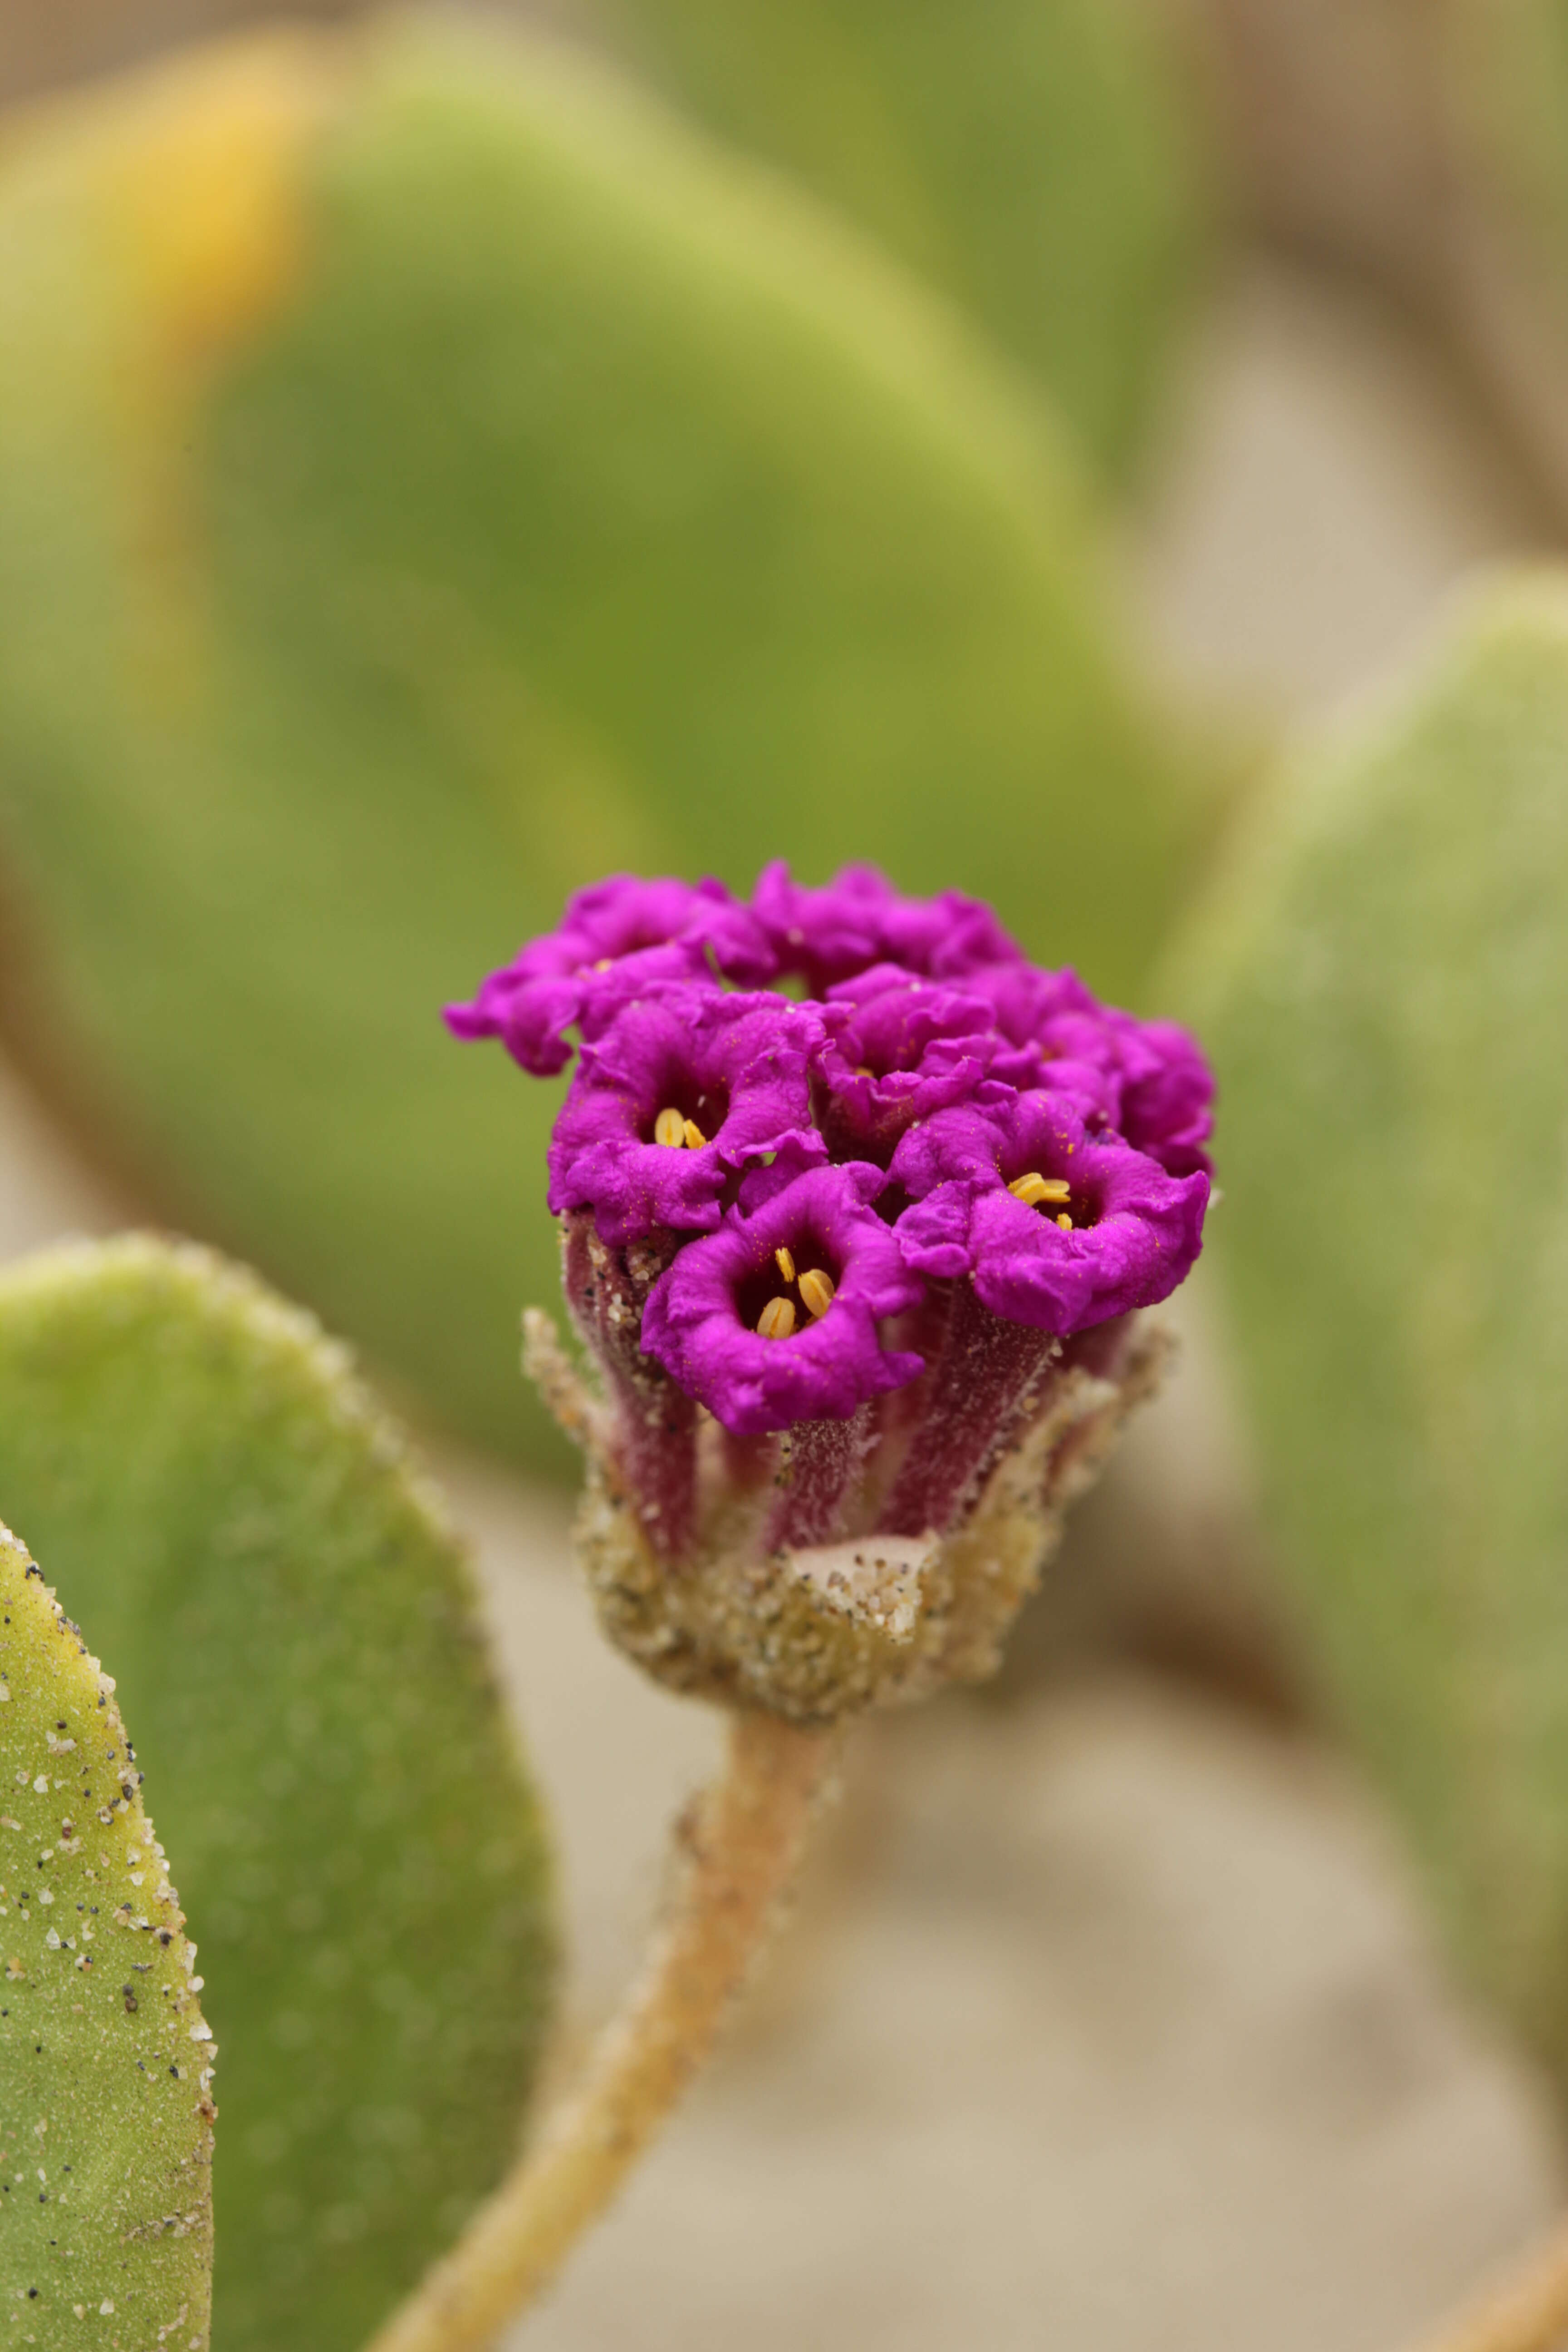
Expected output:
(693, 1135)
(1065, 1223)
(785, 1263)
(776, 1321)
(1036, 1190)
(864, 1070)
(669, 1128)
(816, 1289)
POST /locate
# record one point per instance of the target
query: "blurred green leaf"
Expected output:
(1506, 83)
(106, 2138)
(1384, 983)
(1038, 160)
(429, 478)
(296, 1643)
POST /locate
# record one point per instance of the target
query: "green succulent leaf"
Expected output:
(431, 478)
(296, 1643)
(1384, 983)
(1037, 159)
(1506, 82)
(106, 2062)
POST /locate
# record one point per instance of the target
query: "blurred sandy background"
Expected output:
(1107, 2019)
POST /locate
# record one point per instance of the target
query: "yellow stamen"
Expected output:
(816, 1289)
(695, 1139)
(669, 1128)
(1065, 1223)
(863, 1070)
(1035, 1190)
(776, 1321)
(785, 1264)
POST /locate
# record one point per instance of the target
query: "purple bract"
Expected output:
(797, 1206)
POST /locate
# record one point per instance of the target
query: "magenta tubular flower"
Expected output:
(1057, 1228)
(896, 1050)
(1167, 1099)
(862, 1276)
(858, 919)
(615, 940)
(1147, 1079)
(704, 1315)
(685, 1087)
(1093, 1231)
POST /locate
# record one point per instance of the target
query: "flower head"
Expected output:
(860, 1271)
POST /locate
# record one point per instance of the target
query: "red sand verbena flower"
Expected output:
(859, 1267)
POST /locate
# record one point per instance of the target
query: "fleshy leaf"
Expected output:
(1506, 84)
(1383, 984)
(297, 1643)
(106, 2062)
(1037, 159)
(431, 478)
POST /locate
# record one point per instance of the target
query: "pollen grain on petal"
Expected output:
(776, 1321)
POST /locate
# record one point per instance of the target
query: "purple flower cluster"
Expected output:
(815, 1138)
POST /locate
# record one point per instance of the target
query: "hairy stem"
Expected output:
(737, 1847)
(1526, 2312)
